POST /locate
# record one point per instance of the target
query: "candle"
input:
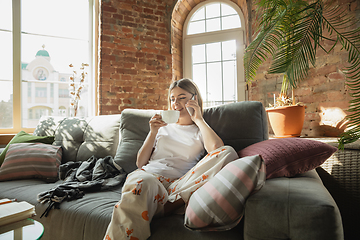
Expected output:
(274, 101)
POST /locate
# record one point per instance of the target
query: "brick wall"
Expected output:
(135, 59)
(324, 92)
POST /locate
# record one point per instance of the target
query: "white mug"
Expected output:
(170, 116)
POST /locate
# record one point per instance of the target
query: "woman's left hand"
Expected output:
(197, 111)
(211, 140)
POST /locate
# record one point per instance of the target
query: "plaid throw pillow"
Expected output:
(31, 160)
(219, 204)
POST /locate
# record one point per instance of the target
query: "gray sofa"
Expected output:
(285, 208)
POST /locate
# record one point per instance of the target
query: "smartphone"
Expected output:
(190, 109)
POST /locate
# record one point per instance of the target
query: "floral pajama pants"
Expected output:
(144, 195)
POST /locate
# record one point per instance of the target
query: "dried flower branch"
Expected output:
(75, 92)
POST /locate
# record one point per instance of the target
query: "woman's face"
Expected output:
(178, 98)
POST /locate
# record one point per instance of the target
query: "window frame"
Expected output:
(17, 79)
(217, 36)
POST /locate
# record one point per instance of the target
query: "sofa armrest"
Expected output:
(293, 208)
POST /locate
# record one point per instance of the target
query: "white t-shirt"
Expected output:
(177, 149)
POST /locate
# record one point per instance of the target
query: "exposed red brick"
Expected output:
(336, 76)
(108, 9)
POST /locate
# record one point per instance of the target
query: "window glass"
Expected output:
(6, 59)
(40, 92)
(214, 92)
(213, 51)
(229, 81)
(63, 93)
(227, 10)
(199, 76)
(212, 57)
(5, 15)
(230, 22)
(65, 18)
(215, 74)
(213, 17)
(54, 34)
(199, 15)
(198, 55)
(62, 111)
(215, 71)
(197, 27)
(213, 25)
(47, 48)
(213, 10)
(229, 50)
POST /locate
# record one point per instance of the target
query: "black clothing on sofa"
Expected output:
(80, 177)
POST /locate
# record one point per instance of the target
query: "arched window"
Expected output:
(213, 51)
(62, 111)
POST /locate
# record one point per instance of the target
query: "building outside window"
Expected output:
(40, 92)
(62, 111)
(37, 37)
(213, 51)
(31, 114)
(64, 93)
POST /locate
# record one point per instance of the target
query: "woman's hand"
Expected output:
(211, 140)
(146, 149)
(155, 123)
(197, 115)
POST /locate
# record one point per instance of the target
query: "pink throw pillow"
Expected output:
(286, 157)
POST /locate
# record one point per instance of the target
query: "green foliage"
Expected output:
(291, 32)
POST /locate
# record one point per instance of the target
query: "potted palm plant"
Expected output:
(291, 32)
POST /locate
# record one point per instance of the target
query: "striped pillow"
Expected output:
(31, 160)
(219, 204)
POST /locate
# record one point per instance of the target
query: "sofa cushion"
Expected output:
(31, 160)
(289, 156)
(134, 128)
(47, 125)
(82, 138)
(100, 138)
(220, 203)
(82, 219)
(246, 123)
(23, 137)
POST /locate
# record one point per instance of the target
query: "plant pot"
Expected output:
(287, 121)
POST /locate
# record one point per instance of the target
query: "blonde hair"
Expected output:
(189, 86)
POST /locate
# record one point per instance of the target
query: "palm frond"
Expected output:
(268, 38)
(298, 50)
(337, 22)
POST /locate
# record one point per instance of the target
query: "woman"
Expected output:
(169, 167)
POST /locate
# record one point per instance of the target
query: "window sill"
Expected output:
(5, 138)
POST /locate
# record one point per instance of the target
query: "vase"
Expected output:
(287, 121)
